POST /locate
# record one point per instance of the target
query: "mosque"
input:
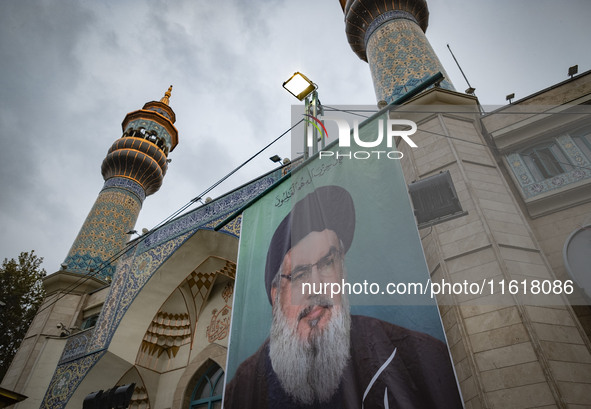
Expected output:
(155, 311)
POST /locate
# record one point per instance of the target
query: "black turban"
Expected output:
(326, 208)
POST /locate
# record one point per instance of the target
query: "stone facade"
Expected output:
(523, 179)
(163, 320)
(512, 350)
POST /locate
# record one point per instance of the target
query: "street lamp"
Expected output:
(299, 86)
(302, 88)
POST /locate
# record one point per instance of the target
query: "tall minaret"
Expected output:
(390, 36)
(507, 352)
(134, 168)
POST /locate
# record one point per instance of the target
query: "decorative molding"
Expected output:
(400, 58)
(126, 184)
(150, 126)
(134, 269)
(209, 212)
(76, 346)
(360, 16)
(384, 18)
(66, 378)
(219, 326)
(103, 233)
(530, 188)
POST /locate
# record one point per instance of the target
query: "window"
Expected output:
(583, 140)
(89, 322)
(546, 161)
(208, 391)
(435, 199)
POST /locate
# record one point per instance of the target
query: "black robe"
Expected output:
(419, 374)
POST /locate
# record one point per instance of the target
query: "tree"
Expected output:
(21, 294)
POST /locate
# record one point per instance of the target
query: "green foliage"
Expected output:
(22, 293)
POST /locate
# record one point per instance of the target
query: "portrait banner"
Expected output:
(323, 315)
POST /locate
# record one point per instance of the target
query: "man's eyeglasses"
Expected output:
(326, 267)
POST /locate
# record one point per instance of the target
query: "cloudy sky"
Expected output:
(71, 70)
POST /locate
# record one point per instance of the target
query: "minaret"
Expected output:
(390, 36)
(509, 349)
(134, 168)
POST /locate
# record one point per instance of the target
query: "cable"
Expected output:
(350, 111)
(428, 233)
(140, 239)
(82, 279)
(225, 177)
(497, 150)
(136, 242)
(472, 142)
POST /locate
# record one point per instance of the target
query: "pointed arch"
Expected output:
(207, 251)
(194, 371)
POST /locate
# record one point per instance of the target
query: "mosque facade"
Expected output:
(155, 311)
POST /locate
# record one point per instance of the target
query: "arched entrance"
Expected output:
(208, 391)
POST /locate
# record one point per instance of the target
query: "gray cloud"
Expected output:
(72, 70)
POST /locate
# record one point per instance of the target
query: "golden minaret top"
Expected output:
(166, 96)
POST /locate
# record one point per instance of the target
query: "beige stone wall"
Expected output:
(506, 354)
(56, 309)
(33, 365)
(48, 354)
(167, 383)
(557, 213)
(93, 303)
(552, 231)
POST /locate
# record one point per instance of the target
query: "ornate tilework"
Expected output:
(140, 262)
(232, 228)
(66, 379)
(522, 173)
(400, 57)
(161, 112)
(103, 234)
(385, 17)
(530, 188)
(132, 274)
(212, 211)
(150, 126)
(126, 184)
(134, 269)
(362, 16)
(572, 151)
(76, 346)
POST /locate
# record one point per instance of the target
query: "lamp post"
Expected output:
(303, 88)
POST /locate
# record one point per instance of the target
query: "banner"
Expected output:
(324, 311)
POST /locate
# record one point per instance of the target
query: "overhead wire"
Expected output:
(175, 214)
(137, 241)
(493, 147)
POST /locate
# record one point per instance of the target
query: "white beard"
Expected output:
(311, 369)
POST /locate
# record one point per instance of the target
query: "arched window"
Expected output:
(546, 161)
(208, 391)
